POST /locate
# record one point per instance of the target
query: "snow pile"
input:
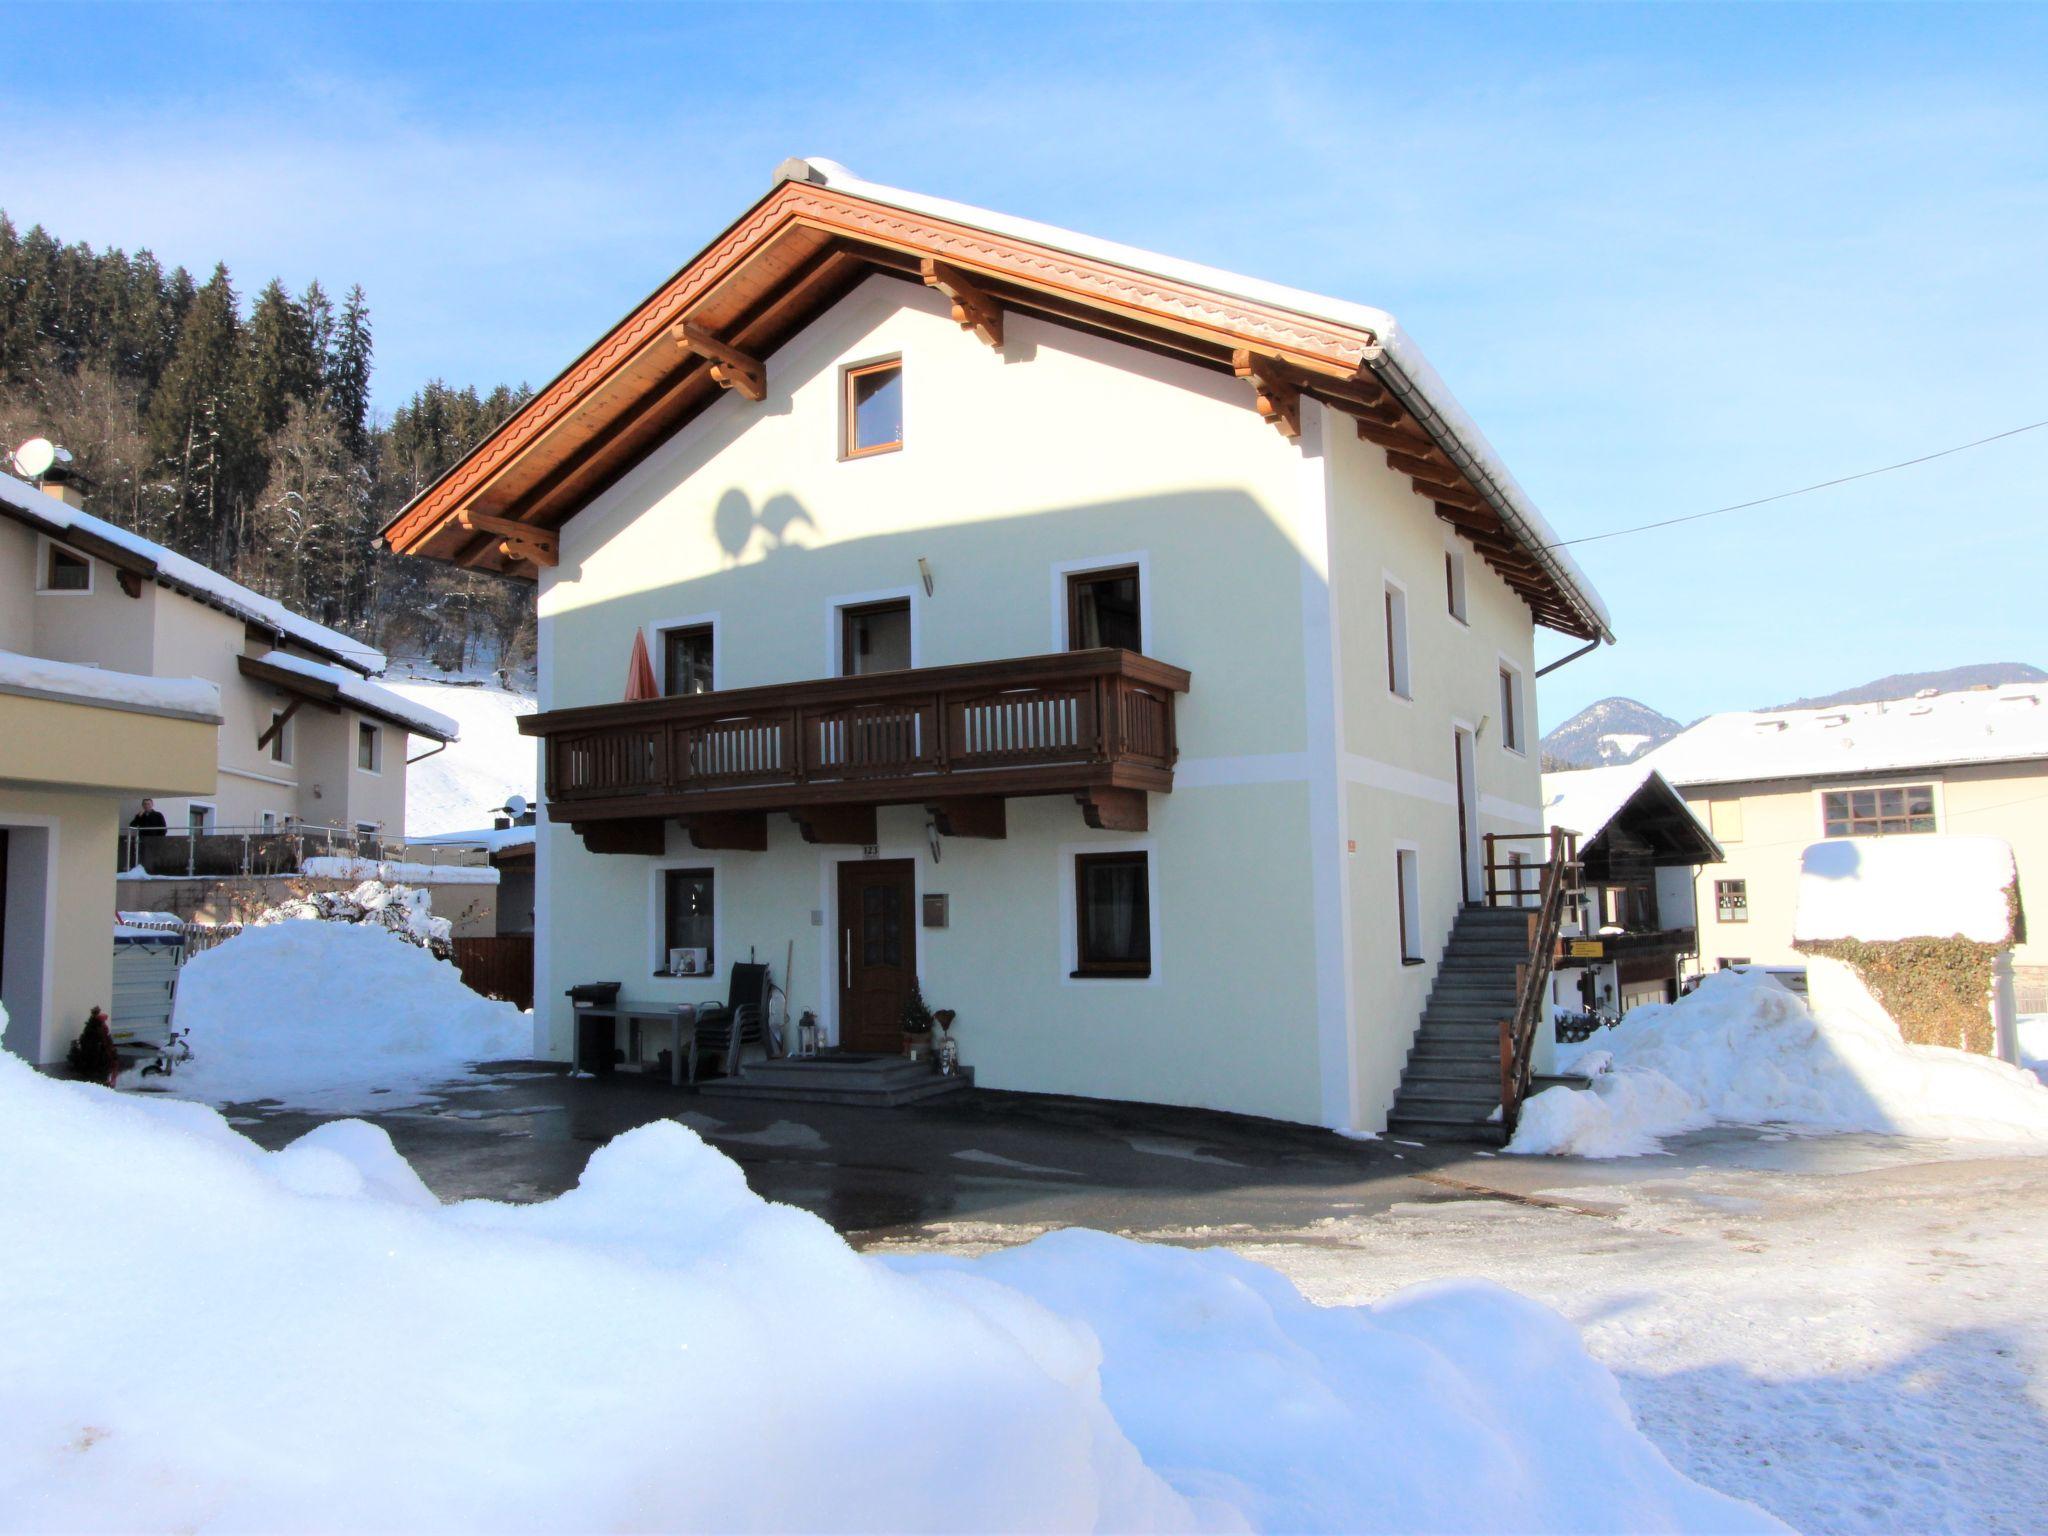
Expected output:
(347, 1354)
(71, 680)
(341, 867)
(399, 909)
(378, 700)
(1885, 888)
(1744, 1050)
(459, 789)
(333, 1015)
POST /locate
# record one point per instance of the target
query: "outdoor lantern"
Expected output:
(807, 1034)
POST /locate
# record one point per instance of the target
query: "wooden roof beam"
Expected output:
(1278, 397)
(516, 541)
(974, 309)
(1468, 521)
(732, 368)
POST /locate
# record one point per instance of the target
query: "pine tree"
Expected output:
(202, 431)
(347, 375)
(282, 365)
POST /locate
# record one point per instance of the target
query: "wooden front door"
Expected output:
(877, 951)
(1460, 751)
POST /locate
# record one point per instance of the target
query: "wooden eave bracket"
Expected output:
(974, 308)
(1278, 396)
(517, 541)
(283, 719)
(730, 367)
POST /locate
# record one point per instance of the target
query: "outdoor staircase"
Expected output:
(1450, 1089)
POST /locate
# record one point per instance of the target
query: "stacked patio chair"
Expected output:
(724, 1030)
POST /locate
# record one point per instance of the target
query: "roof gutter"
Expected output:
(1419, 405)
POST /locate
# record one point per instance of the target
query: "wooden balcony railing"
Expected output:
(1091, 723)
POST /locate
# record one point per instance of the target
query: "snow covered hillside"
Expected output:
(1615, 730)
(339, 1351)
(456, 790)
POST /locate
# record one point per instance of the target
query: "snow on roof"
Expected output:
(1976, 725)
(36, 675)
(194, 579)
(1932, 887)
(492, 839)
(1399, 349)
(380, 701)
(1585, 800)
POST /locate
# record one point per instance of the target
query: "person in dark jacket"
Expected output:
(148, 822)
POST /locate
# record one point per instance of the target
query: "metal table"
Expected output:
(682, 1022)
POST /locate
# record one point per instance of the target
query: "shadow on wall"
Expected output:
(1833, 860)
(737, 524)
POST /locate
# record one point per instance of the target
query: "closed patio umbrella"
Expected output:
(640, 682)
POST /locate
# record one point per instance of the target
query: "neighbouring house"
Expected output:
(1769, 783)
(77, 745)
(1133, 654)
(1633, 928)
(497, 964)
(308, 743)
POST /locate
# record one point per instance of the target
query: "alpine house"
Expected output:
(1137, 656)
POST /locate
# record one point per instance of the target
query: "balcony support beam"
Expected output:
(645, 835)
(980, 816)
(736, 831)
(851, 824)
(1115, 810)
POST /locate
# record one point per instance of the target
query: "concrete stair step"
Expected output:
(1428, 1128)
(879, 1081)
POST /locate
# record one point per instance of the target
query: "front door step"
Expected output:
(840, 1078)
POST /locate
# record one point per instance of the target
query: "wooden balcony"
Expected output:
(961, 740)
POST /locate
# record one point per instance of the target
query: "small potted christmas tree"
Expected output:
(917, 1023)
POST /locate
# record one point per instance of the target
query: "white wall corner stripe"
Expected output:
(1265, 768)
(1374, 774)
(1510, 810)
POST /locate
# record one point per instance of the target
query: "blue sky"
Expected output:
(1669, 257)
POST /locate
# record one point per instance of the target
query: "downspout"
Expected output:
(1588, 648)
(444, 745)
(1418, 405)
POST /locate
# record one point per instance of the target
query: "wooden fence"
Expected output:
(500, 967)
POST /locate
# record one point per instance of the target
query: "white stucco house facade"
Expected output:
(1136, 655)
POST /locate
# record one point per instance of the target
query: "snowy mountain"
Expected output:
(1903, 685)
(456, 790)
(1613, 730)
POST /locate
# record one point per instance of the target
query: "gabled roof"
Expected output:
(1627, 809)
(1934, 730)
(323, 684)
(821, 230)
(141, 559)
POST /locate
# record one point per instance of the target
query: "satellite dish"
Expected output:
(515, 806)
(32, 460)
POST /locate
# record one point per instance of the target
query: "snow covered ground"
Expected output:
(1742, 1049)
(326, 1347)
(456, 790)
(333, 1016)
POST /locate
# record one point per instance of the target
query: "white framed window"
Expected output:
(1408, 902)
(1454, 583)
(1110, 914)
(1106, 600)
(62, 572)
(268, 821)
(1395, 598)
(873, 631)
(683, 913)
(198, 818)
(685, 653)
(369, 747)
(1514, 716)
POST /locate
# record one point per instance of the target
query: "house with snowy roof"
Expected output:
(1970, 763)
(129, 672)
(1136, 656)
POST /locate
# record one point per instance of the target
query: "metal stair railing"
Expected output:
(1560, 880)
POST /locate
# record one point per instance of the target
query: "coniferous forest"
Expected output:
(239, 433)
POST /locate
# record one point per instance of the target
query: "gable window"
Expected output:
(686, 911)
(65, 571)
(874, 637)
(873, 409)
(1878, 812)
(1731, 901)
(369, 747)
(280, 737)
(1397, 641)
(686, 659)
(1112, 914)
(1454, 583)
(1102, 610)
(1408, 905)
(1510, 708)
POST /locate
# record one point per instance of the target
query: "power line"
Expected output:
(1693, 517)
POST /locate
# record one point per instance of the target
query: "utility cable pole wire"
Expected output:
(1885, 469)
